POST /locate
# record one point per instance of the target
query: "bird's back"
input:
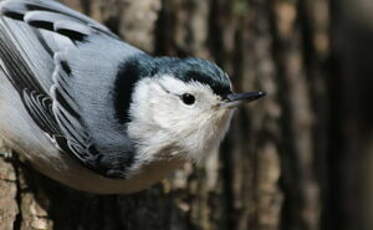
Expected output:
(57, 73)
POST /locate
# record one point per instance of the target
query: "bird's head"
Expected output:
(184, 110)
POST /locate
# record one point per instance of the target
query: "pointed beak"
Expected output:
(236, 99)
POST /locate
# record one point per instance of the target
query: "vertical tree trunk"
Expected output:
(352, 37)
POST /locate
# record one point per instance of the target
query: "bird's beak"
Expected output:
(236, 99)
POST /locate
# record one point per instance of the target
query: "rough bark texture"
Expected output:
(282, 165)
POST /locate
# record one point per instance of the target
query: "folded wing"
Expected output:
(63, 65)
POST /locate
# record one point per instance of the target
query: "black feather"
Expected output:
(56, 110)
(199, 70)
(73, 35)
(14, 15)
(129, 72)
(66, 67)
(191, 69)
(42, 24)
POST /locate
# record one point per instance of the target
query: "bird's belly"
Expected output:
(83, 179)
(69, 172)
(21, 134)
(62, 168)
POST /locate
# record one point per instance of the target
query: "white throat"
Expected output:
(164, 129)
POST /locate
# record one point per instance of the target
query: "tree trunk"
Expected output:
(271, 167)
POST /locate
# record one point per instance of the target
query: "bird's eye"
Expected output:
(188, 99)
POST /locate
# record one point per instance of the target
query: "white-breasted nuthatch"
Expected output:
(97, 114)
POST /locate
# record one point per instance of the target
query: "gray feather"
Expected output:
(18, 8)
(65, 85)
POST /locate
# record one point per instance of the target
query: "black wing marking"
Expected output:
(79, 141)
(18, 72)
(39, 107)
(37, 102)
(16, 65)
(66, 112)
(56, 112)
(53, 16)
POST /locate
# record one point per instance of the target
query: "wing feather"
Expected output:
(52, 68)
(18, 8)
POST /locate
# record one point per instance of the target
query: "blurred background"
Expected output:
(299, 159)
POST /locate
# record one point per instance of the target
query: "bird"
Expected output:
(98, 114)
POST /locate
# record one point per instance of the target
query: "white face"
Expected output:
(176, 118)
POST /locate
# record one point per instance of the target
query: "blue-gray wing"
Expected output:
(64, 65)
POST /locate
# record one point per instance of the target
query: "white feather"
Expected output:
(165, 128)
